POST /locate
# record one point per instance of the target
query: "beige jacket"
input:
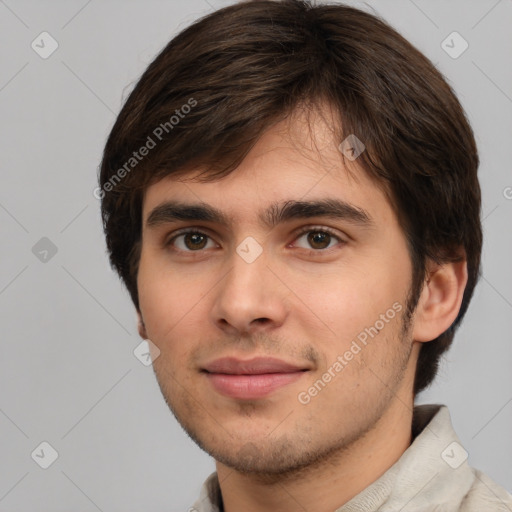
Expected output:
(432, 475)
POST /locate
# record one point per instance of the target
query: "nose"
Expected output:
(250, 298)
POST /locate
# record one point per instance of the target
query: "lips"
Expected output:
(251, 379)
(256, 366)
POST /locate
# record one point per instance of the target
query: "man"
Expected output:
(290, 195)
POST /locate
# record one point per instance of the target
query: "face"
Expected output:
(276, 297)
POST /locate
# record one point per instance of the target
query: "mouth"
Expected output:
(251, 379)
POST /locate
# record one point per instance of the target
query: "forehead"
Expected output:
(297, 159)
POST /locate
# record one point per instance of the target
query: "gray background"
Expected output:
(68, 375)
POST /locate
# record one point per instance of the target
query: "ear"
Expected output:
(141, 327)
(440, 299)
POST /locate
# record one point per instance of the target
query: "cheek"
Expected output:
(169, 301)
(348, 301)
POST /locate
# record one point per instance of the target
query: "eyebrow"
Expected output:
(275, 214)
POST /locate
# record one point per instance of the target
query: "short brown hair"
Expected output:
(243, 68)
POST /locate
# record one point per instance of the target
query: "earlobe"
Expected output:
(141, 327)
(440, 300)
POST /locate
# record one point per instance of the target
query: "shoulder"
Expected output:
(485, 494)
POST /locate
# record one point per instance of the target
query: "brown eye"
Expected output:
(192, 241)
(319, 239)
(195, 241)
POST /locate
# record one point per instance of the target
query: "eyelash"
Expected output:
(320, 229)
(303, 231)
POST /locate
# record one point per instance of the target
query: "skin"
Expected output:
(297, 302)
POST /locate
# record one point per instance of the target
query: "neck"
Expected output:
(330, 483)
